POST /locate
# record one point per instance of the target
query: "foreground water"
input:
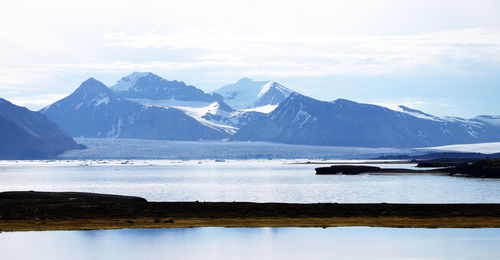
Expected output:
(254, 243)
(253, 180)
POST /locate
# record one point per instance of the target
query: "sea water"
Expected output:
(254, 243)
(240, 180)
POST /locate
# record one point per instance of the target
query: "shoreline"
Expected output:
(132, 223)
(355, 162)
(30, 211)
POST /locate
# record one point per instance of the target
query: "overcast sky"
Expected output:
(442, 57)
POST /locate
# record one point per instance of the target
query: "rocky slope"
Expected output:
(27, 134)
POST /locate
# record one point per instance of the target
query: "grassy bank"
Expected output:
(21, 211)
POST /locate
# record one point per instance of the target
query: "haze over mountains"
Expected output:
(146, 106)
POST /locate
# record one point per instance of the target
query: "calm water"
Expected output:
(254, 243)
(254, 180)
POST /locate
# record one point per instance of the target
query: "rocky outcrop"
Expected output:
(346, 169)
(480, 169)
(489, 168)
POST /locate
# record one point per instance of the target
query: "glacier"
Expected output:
(116, 148)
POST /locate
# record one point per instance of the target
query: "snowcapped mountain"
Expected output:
(265, 111)
(303, 120)
(93, 110)
(149, 89)
(247, 93)
(27, 134)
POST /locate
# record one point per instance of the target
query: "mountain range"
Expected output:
(94, 110)
(303, 120)
(146, 106)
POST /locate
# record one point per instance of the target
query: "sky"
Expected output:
(439, 56)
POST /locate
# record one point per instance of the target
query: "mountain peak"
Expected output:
(274, 86)
(92, 86)
(128, 82)
(90, 80)
(244, 79)
(148, 88)
(248, 93)
(140, 74)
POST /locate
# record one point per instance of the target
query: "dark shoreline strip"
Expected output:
(72, 210)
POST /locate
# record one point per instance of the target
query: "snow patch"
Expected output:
(103, 100)
(302, 117)
(214, 109)
(116, 129)
(493, 147)
(262, 109)
(264, 89)
(77, 106)
(413, 112)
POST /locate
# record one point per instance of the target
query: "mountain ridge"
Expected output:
(146, 85)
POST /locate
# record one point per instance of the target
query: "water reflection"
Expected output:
(254, 243)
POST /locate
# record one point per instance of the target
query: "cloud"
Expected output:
(311, 55)
(446, 105)
(37, 101)
(218, 53)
